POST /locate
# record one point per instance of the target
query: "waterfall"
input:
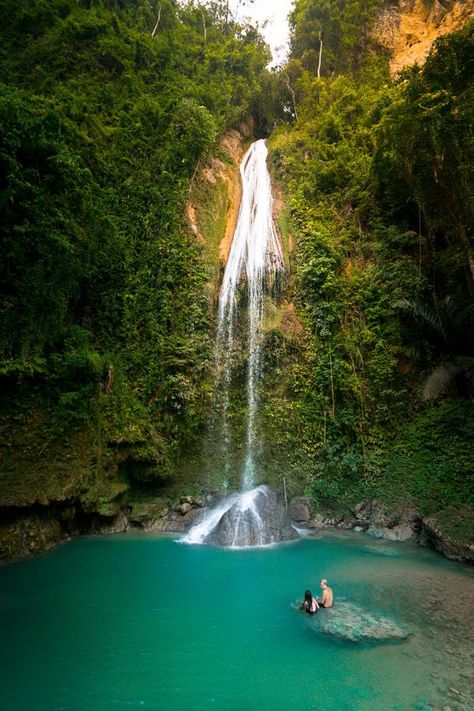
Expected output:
(255, 258)
(257, 516)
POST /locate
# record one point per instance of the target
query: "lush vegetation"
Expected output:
(379, 181)
(106, 110)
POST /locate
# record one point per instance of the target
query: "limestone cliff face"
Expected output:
(215, 195)
(408, 28)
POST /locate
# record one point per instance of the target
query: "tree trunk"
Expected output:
(293, 95)
(157, 21)
(320, 53)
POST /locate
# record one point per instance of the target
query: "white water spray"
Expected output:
(256, 257)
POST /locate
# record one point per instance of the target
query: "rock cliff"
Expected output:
(408, 28)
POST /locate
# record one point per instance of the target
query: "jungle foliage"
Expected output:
(106, 109)
(379, 178)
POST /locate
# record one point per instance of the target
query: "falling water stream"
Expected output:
(255, 258)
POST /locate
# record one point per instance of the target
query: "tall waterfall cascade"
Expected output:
(256, 516)
(255, 259)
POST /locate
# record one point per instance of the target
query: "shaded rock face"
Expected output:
(347, 621)
(27, 536)
(256, 518)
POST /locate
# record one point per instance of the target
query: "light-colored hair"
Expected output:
(324, 581)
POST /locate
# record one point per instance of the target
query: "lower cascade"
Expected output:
(256, 517)
(253, 518)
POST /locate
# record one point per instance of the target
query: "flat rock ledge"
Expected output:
(28, 531)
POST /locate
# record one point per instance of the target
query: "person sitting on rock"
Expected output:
(309, 603)
(328, 597)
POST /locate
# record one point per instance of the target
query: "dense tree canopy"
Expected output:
(106, 108)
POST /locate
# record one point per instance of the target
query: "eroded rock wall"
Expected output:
(408, 28)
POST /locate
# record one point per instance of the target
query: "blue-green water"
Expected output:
(140, 621)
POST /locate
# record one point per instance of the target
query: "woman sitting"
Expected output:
(309, 603)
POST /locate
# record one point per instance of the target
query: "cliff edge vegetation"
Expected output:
(378, 179)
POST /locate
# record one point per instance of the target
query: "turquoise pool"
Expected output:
(139, 621)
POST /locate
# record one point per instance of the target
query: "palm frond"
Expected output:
(440, 380)
(423, 312)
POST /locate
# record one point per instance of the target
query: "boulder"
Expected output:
(117, 524)
(176, 522)
(401, 533)
(355, 624)
(451, 532)
(257, 518)
(300, 509)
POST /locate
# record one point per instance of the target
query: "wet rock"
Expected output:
(257, 518)
(176, 522)
(451, 532)
(401, 533)
(185, 508)
(317, 521)
(300, 509)
(348, 621)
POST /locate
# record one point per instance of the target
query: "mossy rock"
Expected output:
(144, 512)
(451, 532)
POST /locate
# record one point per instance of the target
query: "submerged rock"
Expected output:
(254, 518)
(348, 621)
